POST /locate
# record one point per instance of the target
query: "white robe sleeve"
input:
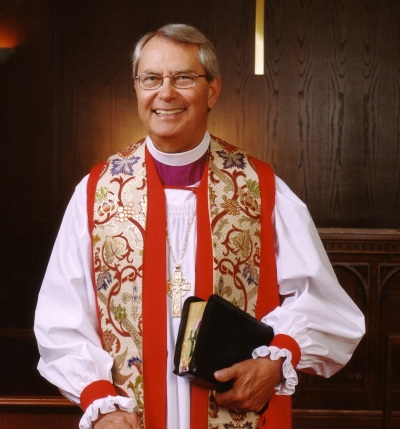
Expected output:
(316, 310)
(66, 325)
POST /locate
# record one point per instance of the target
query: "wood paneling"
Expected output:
(26, 172)
(367, 263)
(43, 413)
(326, 115)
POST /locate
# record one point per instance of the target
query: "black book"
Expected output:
(215, 334)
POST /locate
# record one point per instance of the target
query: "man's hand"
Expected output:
(118, 420)
(254, 383)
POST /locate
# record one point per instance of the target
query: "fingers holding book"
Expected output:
(254, 384)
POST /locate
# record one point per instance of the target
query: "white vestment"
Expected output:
(316, 311)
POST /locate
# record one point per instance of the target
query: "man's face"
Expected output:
(175, 119)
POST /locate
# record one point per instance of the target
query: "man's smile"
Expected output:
(163, 112)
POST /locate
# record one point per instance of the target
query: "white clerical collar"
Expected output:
(181, 158)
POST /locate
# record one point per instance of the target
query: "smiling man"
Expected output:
(175, 116)
(178, 214)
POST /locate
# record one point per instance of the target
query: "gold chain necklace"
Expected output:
(178, 286)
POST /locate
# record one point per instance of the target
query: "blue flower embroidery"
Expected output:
(134, 361)
(135, 291)
(104, 280)
(124, 165)
(232, 159)
(251, 275)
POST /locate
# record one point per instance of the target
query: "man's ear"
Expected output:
(135, 83)
(213, 92)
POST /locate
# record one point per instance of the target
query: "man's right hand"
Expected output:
(118, 420)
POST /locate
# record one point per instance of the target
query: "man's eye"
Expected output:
(183, 77)
(151, 78)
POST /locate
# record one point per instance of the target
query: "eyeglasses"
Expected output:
(180, 80)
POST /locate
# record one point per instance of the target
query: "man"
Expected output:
(178, 214)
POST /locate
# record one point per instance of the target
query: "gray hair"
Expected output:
(185, 35)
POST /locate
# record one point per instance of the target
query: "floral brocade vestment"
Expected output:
(235, 200)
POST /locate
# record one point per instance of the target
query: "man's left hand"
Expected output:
(254, 383)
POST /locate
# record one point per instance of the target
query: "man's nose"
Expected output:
(166, 89)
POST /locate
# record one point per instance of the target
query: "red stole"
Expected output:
(154, 303)
(278, 415)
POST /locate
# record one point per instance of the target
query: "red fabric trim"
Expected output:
(284, 341)
(154, 302)
(91, 192)
(268, 296)
(279, 412)
(97, 390)
(93, 179)
(204, 255)
(204, 288)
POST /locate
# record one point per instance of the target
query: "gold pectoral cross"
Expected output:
(177, 288)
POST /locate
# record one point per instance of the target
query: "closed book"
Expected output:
(215, 334)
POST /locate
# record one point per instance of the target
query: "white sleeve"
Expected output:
(316, 310)
(66, 325)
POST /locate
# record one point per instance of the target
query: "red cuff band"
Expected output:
(283, 341)
(96, 390)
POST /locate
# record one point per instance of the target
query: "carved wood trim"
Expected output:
(360, 240)
(38, 401)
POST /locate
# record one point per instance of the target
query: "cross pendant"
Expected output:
(177, 288)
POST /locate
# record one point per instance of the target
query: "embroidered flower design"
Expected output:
(249, 202)
(101, 194)
(105, 203)
(237, 421)
(242, 242)
(136, 296)
(125, 212)
(108, 340)
(120, 313)
(231, 206)
(232, 159)
(137, 389)
(123, 165)
(106, 207)
(130, 149)
(103, 280)
(213, 408)
(212, 197)
(112, 249)
(134, 361)
(250, 274)
(253, 187)
(118, 377)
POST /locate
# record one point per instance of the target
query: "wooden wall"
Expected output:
(325, 115)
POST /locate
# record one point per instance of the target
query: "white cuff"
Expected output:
(104, 406)
(286, 387)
